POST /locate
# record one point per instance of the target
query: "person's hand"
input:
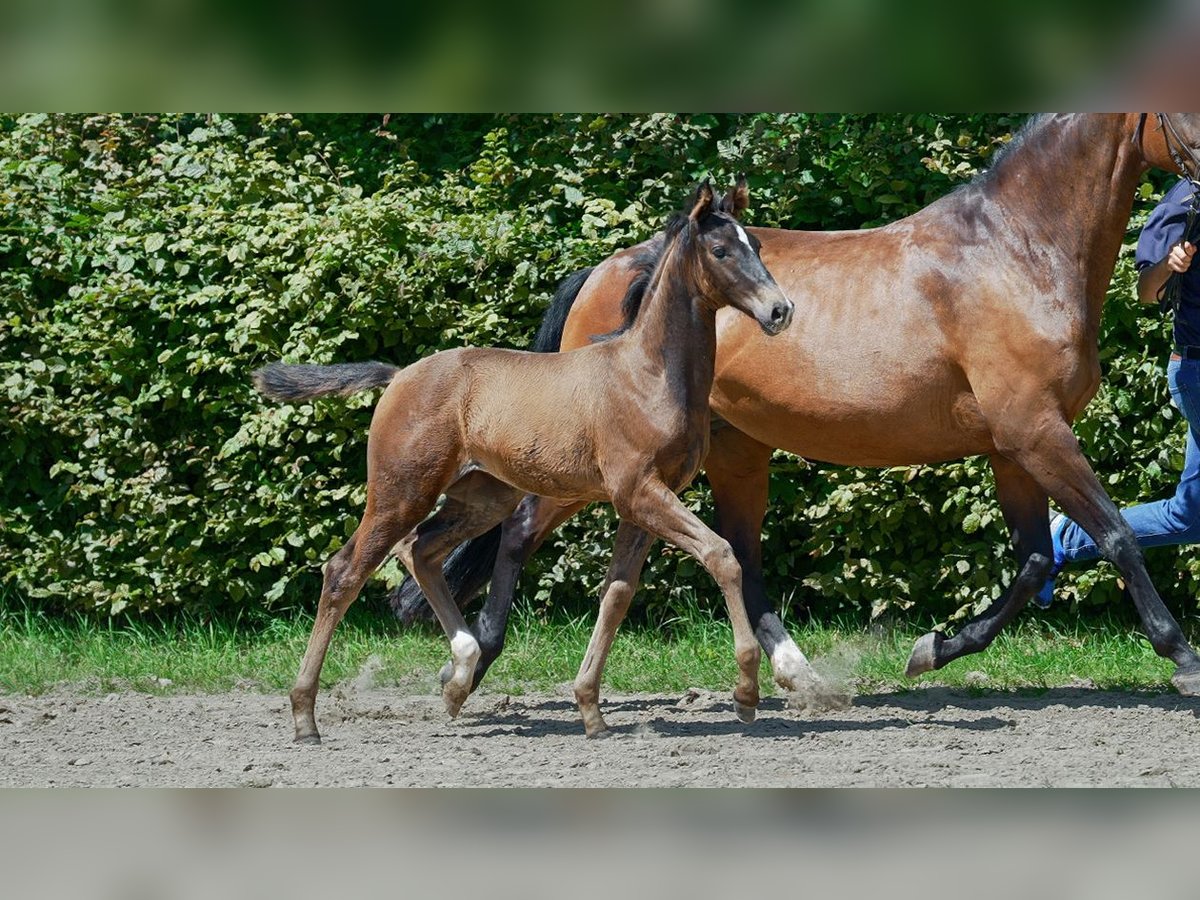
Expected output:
(1180, 257)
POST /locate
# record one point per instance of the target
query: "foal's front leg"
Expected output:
(739, 472)
(656, 508)
(624, 571)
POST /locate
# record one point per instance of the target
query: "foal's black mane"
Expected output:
(644, 263)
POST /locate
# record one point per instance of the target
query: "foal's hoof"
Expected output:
(924, 655)
(454, 700)
(1187, 683)
(745, 713)
(597, 732)
(447, 673)
(313, 739)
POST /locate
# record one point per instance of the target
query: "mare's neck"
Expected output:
(1071, 187)
(676, 333)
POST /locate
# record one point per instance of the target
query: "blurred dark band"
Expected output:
(625, 54)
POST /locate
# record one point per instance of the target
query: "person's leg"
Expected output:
(1174, 520)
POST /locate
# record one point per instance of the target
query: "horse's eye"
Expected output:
(719, 252)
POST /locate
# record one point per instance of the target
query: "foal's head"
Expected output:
(721, 261)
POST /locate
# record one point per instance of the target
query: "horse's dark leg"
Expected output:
(738, 468)
(1025, 508)
(474, 505)
(629, 553)
(521, 534)
(1050, 453)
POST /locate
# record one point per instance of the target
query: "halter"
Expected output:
(1185, 159)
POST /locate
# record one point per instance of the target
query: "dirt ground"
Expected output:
(930, 736)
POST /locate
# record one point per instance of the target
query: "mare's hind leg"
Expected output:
(738, 469)
(1025, 507)
(1048, 451)
(345, 574)
(474, 504)
(655, 508)
(629, 553)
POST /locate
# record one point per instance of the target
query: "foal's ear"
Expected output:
(736, 199)
(702, 202)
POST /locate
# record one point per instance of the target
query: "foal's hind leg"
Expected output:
(345, 574)
(473, 505)
(656, 508)
(406, 471)
(1025, 507)
(629, 553)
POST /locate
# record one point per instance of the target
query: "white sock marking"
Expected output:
(787, 660)
(463, 647)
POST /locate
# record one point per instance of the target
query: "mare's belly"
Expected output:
(850, 405)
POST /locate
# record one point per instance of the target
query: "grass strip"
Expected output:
(39, 653)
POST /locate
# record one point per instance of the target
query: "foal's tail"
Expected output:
(287, 383)
(468, 568)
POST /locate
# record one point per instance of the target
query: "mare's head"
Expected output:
(1171, 141)
(722, 261)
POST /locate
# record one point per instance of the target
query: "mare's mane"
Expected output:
(1026, 138)
(647, 259)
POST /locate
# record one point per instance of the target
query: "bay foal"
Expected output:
(625, 420)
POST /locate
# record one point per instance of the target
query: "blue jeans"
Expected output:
(1175, 520)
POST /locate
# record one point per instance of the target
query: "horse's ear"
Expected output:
(737, 198)
(702, 202)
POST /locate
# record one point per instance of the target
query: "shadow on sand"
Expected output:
(544, 717)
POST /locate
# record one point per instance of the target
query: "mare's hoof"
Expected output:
(313, 739)
(924, 655)
(745, 713)
(1187, 683)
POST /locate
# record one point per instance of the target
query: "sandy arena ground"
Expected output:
(387, 736)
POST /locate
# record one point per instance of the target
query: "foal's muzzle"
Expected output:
(779, 317)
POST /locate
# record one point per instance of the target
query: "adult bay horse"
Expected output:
(969, 327)
(625, 420)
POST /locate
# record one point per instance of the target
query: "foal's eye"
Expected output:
(719, 252)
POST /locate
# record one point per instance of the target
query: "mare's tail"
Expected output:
(288, 383)
(468, 568)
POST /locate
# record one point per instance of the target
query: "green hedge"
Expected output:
(147, 264)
